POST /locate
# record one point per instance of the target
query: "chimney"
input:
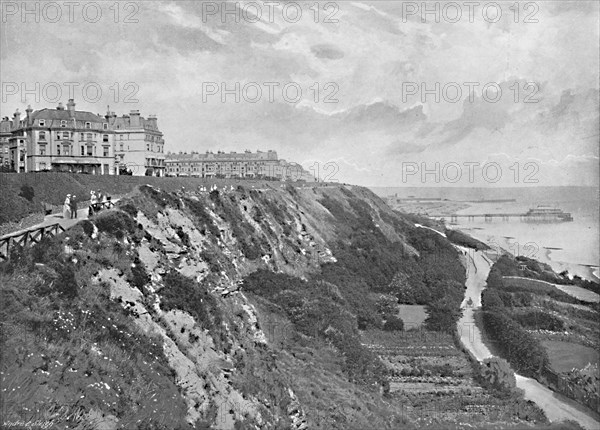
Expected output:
(152, 122)
(28, 112)
(16, 119)
(60, 107)
(71, 107)
(135, 118)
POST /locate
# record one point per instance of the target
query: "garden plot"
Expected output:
(422, 362)
(433, 382)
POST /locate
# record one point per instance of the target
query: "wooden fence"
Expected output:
(570, 389)
(27, 238)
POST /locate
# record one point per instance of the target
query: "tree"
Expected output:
(490, 299)
(442, 316)
(387, 305)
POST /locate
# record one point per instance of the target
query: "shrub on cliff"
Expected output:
(442, 315)
(539, 320)
(161, 198)
(129, 209)
(139, 275)
(393, 323)
(462, 239)
(187, 295)
(27, 192)
(268, 284)
(490, 300)
(203, 218)
(523, 351)
(115, 223)
(496, 372)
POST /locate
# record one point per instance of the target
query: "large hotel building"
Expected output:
(68, 140)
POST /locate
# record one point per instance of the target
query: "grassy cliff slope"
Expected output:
(251, 308)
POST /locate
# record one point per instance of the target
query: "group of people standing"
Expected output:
(98, 198)
(70, 207)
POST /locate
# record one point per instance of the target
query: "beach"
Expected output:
(571, 246)
(511, 245)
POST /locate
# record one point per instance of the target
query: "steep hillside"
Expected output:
(251, 308)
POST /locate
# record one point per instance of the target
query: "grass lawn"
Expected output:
(580, 293)
(564, 356)
(413, 316)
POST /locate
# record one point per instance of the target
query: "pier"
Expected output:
(525, 217)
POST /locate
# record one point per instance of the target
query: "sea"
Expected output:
(571, 246)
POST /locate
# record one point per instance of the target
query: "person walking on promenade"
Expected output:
(67, 207)
(73, 207)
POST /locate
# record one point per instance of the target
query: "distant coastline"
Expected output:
(571, 246)
(584, 271)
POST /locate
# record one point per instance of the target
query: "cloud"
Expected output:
(327, 51)
(362, 59)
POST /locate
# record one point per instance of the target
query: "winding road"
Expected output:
(556, 406)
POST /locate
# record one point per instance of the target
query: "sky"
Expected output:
(372, 93)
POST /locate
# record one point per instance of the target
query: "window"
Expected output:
(105, 138)
(90, 151)
(105, 151)
(105, 126)
(63, 123)
(66, 150)
(88, 125)
(120, 137)
(42, 150)
(82, 150)
(120, 146)
(66, 135)
(88, 136)
(58, 150)
(41, 122)
(42, 135)
(147, 147)
(42, 166)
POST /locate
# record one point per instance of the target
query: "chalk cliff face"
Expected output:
(230, 309)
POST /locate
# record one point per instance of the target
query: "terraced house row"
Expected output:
(247, 164)
(68, 140)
